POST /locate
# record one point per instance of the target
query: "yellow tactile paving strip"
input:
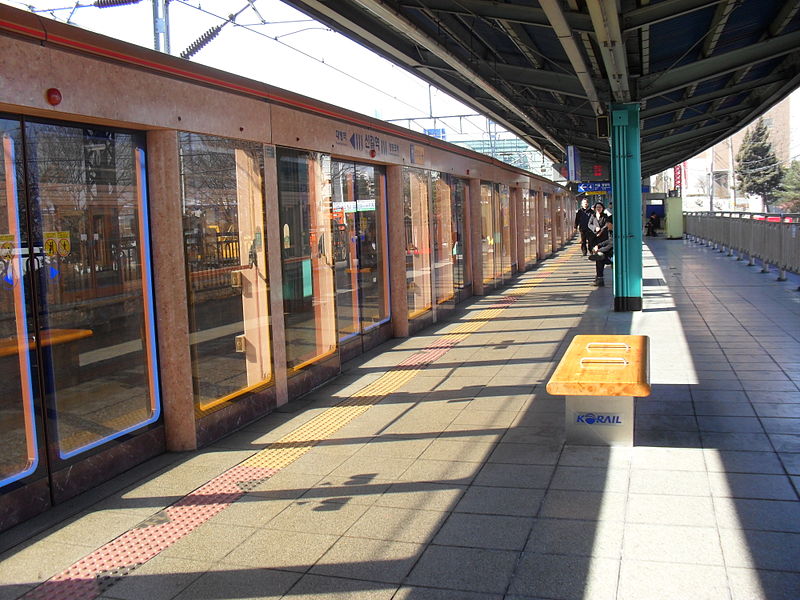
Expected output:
(291, 447)
(89, 577)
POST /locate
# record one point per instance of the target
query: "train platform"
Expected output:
(435, 467)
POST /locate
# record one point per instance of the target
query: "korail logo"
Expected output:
(595, 419)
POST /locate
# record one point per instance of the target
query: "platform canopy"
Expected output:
(544, 69)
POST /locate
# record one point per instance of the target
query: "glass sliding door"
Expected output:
(416, 217)
(373, 250)
(359, 246)
(497, 239)
(304, 195)
(529, 223)
(504, 232)
(77, 335)
(345, 248)
(548, 223)
(20, 425)
(443, 238)
(86, 192)
(487, 232)
(226, 262)
(459, 192)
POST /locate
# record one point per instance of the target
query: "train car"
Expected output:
(184, 250)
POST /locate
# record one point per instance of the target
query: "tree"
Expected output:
(789, 194)
(757, 168)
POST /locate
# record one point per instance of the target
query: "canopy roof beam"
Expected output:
(605, 20)
(565, 35)
(715, 66)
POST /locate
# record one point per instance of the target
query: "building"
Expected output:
(708, 179)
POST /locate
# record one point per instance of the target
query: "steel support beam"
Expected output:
(716, 115)
(731, 90)
(605, 20)
(715, 66)
(688, 137)
(539, 79)
(663, 11)
(565, 35)
(522, 14)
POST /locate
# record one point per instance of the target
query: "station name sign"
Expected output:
(367, 142)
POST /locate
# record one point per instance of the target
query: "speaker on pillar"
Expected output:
(602, 126)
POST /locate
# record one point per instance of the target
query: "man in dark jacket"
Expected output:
(582, 225)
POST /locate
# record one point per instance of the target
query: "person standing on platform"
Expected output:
(582, 225)
(598, 224)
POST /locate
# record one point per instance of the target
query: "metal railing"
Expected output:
(773, 239)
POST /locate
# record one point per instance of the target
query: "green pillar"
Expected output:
(626, 183)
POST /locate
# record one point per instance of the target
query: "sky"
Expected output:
(275, 44)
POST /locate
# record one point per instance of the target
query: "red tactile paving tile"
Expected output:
(93, 574)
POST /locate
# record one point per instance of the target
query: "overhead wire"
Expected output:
(302, 52)
(208, 36)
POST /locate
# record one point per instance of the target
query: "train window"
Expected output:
(418, 236)
(226, 264)
(304, 195)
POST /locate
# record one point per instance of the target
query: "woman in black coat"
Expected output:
(602, 253)
(598, 224)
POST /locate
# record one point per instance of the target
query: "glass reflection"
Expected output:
(226, 264)
(529, 227)
(459, 188)
(373, 281)
(19, 454)
(418, 246)
(487, 232)
(304, 194)
(548, 225)
(504, 231)
(86, 195)
(359, 246)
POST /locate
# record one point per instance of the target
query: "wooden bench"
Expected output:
(600, 375)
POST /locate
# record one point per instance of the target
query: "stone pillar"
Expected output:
(397, 250)
(169, 282)
(476, 237)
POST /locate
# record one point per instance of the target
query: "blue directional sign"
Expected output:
(602, 186)
(595, 186)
